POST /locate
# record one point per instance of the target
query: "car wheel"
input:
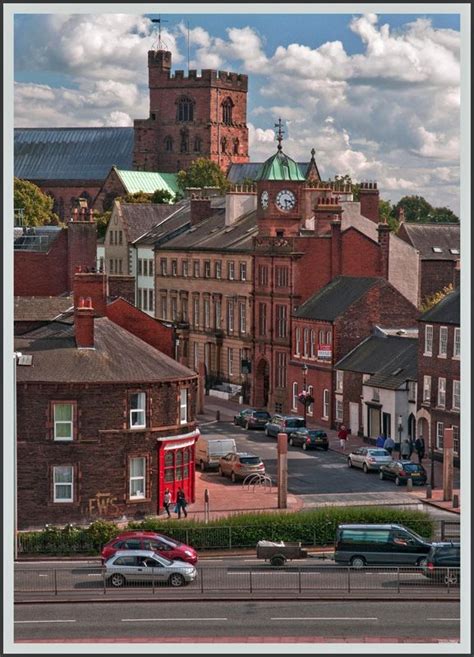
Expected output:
(381, 475)
(266, 432)
(176, 579)
(277, 560)
(397, 481)
(357, 562)
(453, 578)
(221, 472)
(117, 580)
(305, 447)
(290, 442)
(202, 465)
(349, 463)
(233, 477)
(421, 561)
(365, 468)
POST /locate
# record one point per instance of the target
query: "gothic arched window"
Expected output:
(227, 106)
(185, 109)
(197, 144)
(184, 148)
(236, 146)
(168, 144)
(223, 144)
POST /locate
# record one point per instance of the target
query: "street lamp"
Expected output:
(305, 372)
(400, 429)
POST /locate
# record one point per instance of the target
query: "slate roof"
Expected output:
(168, 227)
(447, 311)
(335, 298)
(139, 218)
(148, 181)
(375, 353)
(402, 367)
(71, 153)
(239, 172)
(445, 236)
(40, 309)
(119, 356)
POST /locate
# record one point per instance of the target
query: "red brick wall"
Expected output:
(360, 255)
(369, 201)
(42, 274)
(435, 275)
(122, 286)
(65, 192)
(81, 247)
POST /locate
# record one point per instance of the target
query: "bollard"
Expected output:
(218, 416)
(409, 484)
(455, 501)
(428, 492)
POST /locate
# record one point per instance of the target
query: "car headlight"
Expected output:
(189, 553)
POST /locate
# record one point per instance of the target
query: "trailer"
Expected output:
(279, 553)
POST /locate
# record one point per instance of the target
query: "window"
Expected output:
(339, 410)
(184, 145)
(325, 404)
(218, 269)
(174, 268)
(282, 321)
(184, 308)
(196, 311)
(168, 144)
(339, 380)
(455, 439)
(294, 397)
(197, 144)
(227, 106)
(111, 237)
(185, 109)
(456, 395)
(207, 269)
(457, 343)
(120, 237)
(297, 341)
(439, 435)
(281, 378)
(144, 297)
(306, 343)
(243, 271)
(137, 478)
(411, 390)
(443, 341)
(428, 341)
(281, 276)
(174, 308)
(230, 316)
(63, 421)
(231, 270)
(243, 317)
(375, 394)
(183, 405)
(151, 301)
(163, 267)
(321, 337)
(223, 144)
(262, 319)
(441, 392)
(313, 344)
(164, 307)
(196, 356)
(137, 410)
(328, 337)
(150, 267)
(140, 267)
(207, 312)
(427, 389)
(185, 268)
(263, 275)
(63, 483)
(230, 361)
(196, 268)
(311, 406)
(236, 144)
(111, 266)
(218, 312)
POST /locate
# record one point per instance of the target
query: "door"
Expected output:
(354, 418)
(387, 424)
(374, 421)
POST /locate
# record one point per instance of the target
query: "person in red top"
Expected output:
(342, 435)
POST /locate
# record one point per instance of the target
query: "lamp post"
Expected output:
(432, 481)
(305, 372)
(400, 429)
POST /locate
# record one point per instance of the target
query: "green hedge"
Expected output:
(312, 527)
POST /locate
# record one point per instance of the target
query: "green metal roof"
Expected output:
(280, 167)
(148, 181)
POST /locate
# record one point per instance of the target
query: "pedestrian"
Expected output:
(380, 441)
(412, 445)
(389, 444)
(167, 501)
(181, 503)
(405, 450)
(342, 435)
(420, 448)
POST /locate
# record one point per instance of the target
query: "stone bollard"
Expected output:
(409, 484)
(455, 501)
(218, 416)
(428, 492)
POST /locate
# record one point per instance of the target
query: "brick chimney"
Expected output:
(200, 209)
(369, 201)
(82, 242)
(384, 242)
(84, 323)
(239, 200)
(326, 211)
(93, 285)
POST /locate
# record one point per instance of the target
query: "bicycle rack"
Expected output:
(257, 479)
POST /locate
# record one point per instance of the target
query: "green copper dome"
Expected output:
(280, 167)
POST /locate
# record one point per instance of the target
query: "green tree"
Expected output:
(416, 209)
(443, 215)
(203, 173)
(37, 207)
(102, 220)
(162, 196)
(135, 197)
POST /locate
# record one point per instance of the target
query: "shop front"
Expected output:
(175, 456)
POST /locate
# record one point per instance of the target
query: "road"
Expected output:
(260, 621)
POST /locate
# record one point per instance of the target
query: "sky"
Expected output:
(376, 95)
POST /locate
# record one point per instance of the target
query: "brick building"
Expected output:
(105, 421)
(439, 385)
(328, 325)
(191, 116)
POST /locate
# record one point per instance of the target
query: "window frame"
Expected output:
(131, 410)
(142, 477)
(326, 400)
(456, 394)
(428, 348)
(71, 422)
(457, 343)
(443, 342)
(427, 388)
(339, 380)
(294, 391)
(231, 270)
(439, 435)
(243, 271)
(441, 392)
(310, 409)
(63, 500)
(298, 341)
(183, 406)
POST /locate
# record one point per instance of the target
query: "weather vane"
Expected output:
(161, 45)
(279, 136)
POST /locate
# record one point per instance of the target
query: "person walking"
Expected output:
(181, 503)
(405, 450)
(420, 448)
(380, 441)
(342, 435)
(167, 501)
(389, 444)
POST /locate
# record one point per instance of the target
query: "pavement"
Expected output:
(226, 498)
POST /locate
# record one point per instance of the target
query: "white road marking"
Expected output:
(42, 575)
(142, 620)
(272, 572)
(45, 621)
(320, 618)
(443, 619)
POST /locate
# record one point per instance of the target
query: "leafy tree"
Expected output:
(37, 207)
(203, 173)
(162, 196)
(435, 298)
(443, 215)
(102, 220)
(135, 197)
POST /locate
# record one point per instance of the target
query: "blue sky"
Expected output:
(377, 95)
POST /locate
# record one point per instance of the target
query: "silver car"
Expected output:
(237, 465)
(368, 458)
(146, 566)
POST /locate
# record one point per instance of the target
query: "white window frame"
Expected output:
(63, 500)
(312, 342)
(439, 435)
(139, 410)
(183, 406)
(411, 390)
(243, 271)
(339, 381)
(69, 423)
(218, 269)
(427, 389)
(297, 341)
(150, 267)
(428, 340)
(325, 414)
(306, 342)
(455, 429)
(310, 409)
(145, 267)
(339, 410)
(243, 317)
(196, 312)
(231, 270)
(218, 313)
(230, 316)
(185, 268)
(443, 342)
(207, 312)
(456, 404)
(294, 396)
(230, 361)
(141, 477)
(441, 392)
(457, 343)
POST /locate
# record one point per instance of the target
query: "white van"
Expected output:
(209, 450)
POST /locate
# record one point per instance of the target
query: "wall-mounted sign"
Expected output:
(324, 352)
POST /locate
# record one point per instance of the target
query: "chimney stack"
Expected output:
(200, 209)
(92, 284)
(384, 243)
(84, 323)
(369, 201)
(239, 200)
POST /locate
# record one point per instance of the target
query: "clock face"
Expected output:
(264, 199)
(285, 200)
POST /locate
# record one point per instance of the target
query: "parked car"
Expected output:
(239, 465)
(368, 458)
(309, 438)
(250, 418)
(146, 540)
(443, 563)
(283, 424)
(402, 471)
(208, 451)
(146, 566)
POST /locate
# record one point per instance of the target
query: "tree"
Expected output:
(443, 215)
(162, 196)
(135, 197)
(37, 207)
(203, 173)
(102, 221)
(435, 298)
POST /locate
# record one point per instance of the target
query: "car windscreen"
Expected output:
(317, 434)
(412, 467)
(250, 460)
(294, 423)
(378, 452)
(262, 414)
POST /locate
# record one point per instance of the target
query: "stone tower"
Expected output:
(191, 116)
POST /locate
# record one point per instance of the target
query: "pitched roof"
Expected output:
(429, 236)
(402, 367)
(240, 172)
(168, 227)
(335, 298)
(374, 353)
(118, 356)
(446, 311)
(148, 181)
(71, 153)
(280, 167)
(139, 218)
(40, 309)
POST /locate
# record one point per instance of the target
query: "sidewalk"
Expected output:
(227, 498)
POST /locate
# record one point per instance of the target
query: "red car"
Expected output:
(147, 540)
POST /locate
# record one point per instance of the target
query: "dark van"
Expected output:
(361, 545)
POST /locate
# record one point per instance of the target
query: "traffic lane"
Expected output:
(234, 619)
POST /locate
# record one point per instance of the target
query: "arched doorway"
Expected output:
(262, 384)
(411, 427)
